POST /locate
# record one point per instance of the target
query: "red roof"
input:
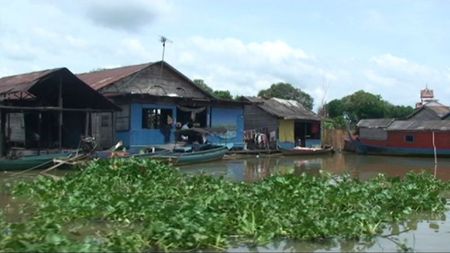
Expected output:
(22, 82)
(102, 78)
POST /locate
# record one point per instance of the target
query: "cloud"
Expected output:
(131, 15)
(245, 68)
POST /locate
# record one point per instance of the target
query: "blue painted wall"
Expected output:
(139, 136)
(231, 118)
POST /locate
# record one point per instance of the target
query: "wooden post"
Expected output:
(2, 133)
(39, 133)
(60, 120)
(113, 126)
(86, 124)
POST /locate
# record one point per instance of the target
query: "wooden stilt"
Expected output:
(2, 133)
(60, 118)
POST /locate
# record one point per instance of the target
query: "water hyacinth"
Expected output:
(139, 205)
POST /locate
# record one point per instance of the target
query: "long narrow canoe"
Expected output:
(28, 162)
(305, 151)
(211, 153)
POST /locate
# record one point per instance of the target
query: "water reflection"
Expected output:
(362, 167)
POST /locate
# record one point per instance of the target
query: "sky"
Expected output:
(326, 48)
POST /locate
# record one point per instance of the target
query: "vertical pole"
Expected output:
(60, 105)
(39, 139)
(113, 126)
(86, 124)
(2, 133)
(435, 155)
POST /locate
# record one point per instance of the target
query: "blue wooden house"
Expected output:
(156, 100)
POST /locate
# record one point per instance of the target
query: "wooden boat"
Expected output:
(200, 154)
(307, 151)
(31, 161)
(367, 149)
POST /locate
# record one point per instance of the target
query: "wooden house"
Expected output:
(404, 137)
(47, 109)
(156, 99)
(286, 123)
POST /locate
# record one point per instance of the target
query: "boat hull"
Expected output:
(28, 162)
(365, 149)
(208, 155)
(299, 152)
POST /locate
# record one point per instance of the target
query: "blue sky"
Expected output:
(327, 48)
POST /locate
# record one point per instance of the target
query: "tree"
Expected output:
(364, 105)
(221, 94)
(287, 91)
(200, 83)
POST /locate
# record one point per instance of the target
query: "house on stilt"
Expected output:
(47, 110)
(156, 99)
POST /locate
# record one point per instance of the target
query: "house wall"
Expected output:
(138, 136)
(422, 139)
(230, 118)
(103, 129)
(153, 81)
(256, 118)
(16, 127)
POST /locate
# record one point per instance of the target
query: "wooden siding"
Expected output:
(422, 139)
(16, 127)
(153, 81)
(102, 130)
(256, 118)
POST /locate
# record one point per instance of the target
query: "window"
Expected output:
(409, 138)
(123, 118)
(156, 118)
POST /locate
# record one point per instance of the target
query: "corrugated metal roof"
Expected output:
(375, 123)
(442, 111)
(416, 125)
(102, 78)
(283, 108)
(23, 82)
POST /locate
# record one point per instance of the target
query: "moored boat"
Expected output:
(204, 153)
(30, 161)
(306, 151)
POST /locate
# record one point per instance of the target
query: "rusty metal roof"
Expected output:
(374, 123)
(420, 125)
(105, 77)
(22, 82)
(283, 108)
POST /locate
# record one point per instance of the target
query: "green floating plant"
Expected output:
(142, 205)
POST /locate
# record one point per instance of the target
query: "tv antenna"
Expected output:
(163, 40)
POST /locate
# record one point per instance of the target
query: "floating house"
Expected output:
(426, 132)
(285, 123)
(49, 109)
(156, 99)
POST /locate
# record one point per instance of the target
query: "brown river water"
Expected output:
(419, 234)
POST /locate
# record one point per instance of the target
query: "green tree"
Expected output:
(287, 91)
(364, 105)
(200, 83)
(223, 94)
